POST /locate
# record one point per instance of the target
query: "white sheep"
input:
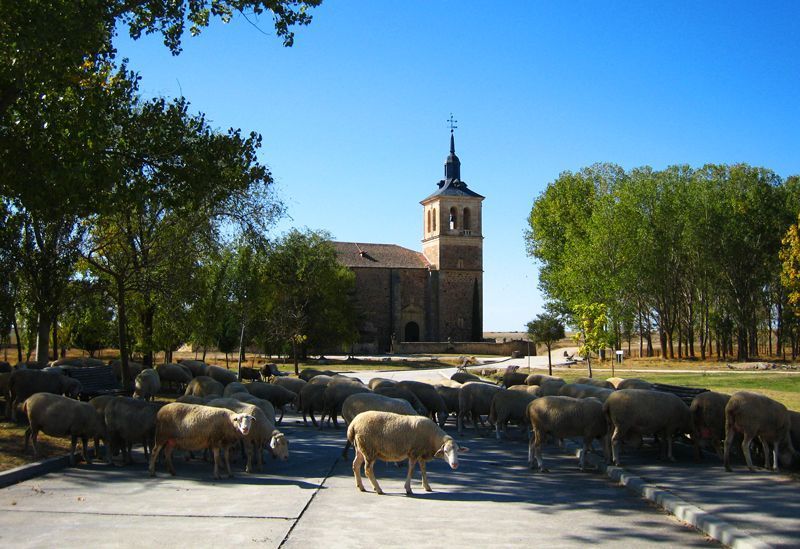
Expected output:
(475, 399)
(565, 417)
(394, 437)
(755, 415)
(60, 416)
(129, 421)
(194, 427)
(148, 384)
(24, 383)
(508, 406)
(364, 402)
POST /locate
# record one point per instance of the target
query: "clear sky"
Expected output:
(354, 115)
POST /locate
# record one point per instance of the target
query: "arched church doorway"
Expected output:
(411, 332)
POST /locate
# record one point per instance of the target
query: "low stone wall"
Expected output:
(464, 348)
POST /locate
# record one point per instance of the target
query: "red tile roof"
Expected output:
(379, 256)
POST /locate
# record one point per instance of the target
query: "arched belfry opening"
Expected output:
(467, 224)
(453, 219)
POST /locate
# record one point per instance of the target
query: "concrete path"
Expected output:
(311, 501)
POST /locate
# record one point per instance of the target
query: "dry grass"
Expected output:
(12, 440)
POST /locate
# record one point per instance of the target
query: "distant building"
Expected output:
(435, 295)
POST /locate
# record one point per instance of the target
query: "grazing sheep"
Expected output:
(754, 415)
(475, 398)
(233, 388)
(509, 406)
(312, 397)
(192, 427)
(634, 383)
(512, 377)
(262, 433)
(335, 394)
(129, 421)
(24, 383)
(250, 374)
(551, 387)
(632, 412)
(60, 416)
(394, 437)
(277, 395)
(148, 384)
(197, 367)
(307, 374)
(602, 383)
(193, 399)
(379, 381)
(78, 362)
(265, 405)
(204, 386)
(708, 421)
(176, 375)
(223, 375)
(538, 379)
(789, 457)
(565, 417)
(294, 384)
(430, 399)
(534, 390)
(394, 391)
(135, 368)
(322, 379)
(579, 390)
(363, 402)
(450, 396)
(464, 377)
(100, 403)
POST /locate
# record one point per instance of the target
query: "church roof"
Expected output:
(378, 256)
(452, 185)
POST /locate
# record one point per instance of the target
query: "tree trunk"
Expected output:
(147, 331)
(16, 336)
(549, 361)
(205, 350)
(294, 355)
(680, 341)
(122, 320)
(241, 352)
(55, 337)
(43, 339)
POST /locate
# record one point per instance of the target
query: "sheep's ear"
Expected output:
(440, 452)
(463, 449)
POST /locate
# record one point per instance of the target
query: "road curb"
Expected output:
(32, 470)
(711, 525)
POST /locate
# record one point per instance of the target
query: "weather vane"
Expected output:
(452, 123)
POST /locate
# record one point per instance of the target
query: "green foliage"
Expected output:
(546, 329)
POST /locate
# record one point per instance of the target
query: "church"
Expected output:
(404, 295)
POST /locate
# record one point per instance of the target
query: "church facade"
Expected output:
(403, 295)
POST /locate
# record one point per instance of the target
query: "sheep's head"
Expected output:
(72, 387)
(243, 423)
(449, 452)
(279, 446)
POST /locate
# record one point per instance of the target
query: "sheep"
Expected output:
(129, 421)
(394, 391)
(450, 396)
(262, 433)
(294, 384)
(634, 383)
(538, 379)
(5, 367)
(197, 367)
(640, 412)
(602, 383)
(551, 387)
(223, 375)
(335, 394)
(430, 399)
(193, 399)
(307, 374)
(60, 416)
(250, 374)
(265, 405)
(579, 390)
(534, 390)
(312, 397)
(394, 437)
(509, 406)
(512, 377)
(708, 421)
(362, 402)
(100, 403)
(463, 377)
(192, 427)
(174, 374)
(790, 457)
(474, 398)
(379, 381)
(204, 386)
(755, 415)
(134, 368)
(277, 395)
(24, 383)
(148, 384)
(563, 417)
(233, 388)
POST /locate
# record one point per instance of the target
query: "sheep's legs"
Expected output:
(460, 423)
(424, 476)
(153, 458)
(346, 448)
(357, 463)
(85, 444)
(168, 458)
(371, 476)
(746, 450)
(226, 454)
(726, 458)
(535, 452)
(411, 464)
(73, 443)
(615, 449)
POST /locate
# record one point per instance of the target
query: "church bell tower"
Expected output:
(453, 245)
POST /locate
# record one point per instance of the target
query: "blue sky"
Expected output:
(353, 116)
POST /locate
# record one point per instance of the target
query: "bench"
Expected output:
(96, 381)
(686, 394)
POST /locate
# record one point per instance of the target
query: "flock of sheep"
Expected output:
(389, 420)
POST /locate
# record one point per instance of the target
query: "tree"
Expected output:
(308, 292)
(546, 329)
(592, 335)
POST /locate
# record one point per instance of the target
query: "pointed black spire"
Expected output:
(452, 167)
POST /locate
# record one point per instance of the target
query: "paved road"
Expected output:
(311, 501)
